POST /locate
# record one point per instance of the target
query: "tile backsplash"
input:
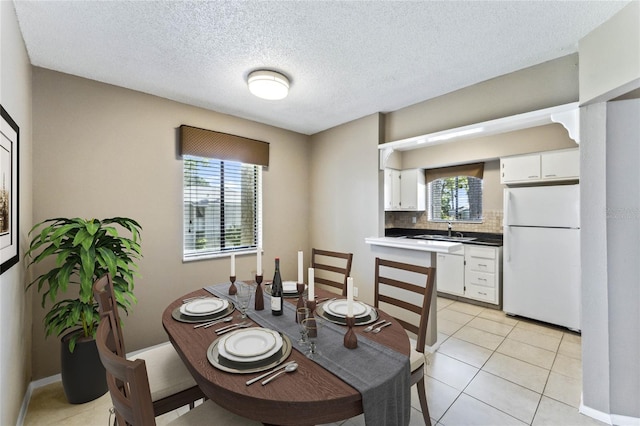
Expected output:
(491, 222)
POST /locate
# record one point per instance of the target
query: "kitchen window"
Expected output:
(455, 193)
(222, 210)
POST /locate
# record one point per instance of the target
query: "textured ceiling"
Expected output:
(345, 60)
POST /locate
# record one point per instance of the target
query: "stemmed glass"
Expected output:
(243, 297)
(301, 315)
(312, 326)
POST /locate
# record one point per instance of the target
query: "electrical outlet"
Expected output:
(413, 219)
(355, 291)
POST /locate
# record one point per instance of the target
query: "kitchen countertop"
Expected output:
(421, 245)
(481, 238)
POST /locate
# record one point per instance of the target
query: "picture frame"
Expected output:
(9, 186)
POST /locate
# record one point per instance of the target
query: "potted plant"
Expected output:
(83, 250)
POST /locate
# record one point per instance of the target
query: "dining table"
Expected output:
(310, 395)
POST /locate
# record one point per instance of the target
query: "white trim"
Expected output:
(610, 419)
(27, 396)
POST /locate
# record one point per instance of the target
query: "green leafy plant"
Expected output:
(84, 250)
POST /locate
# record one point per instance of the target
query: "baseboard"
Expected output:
(610, 419)
(27, 396)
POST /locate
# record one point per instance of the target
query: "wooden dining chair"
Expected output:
(331, 268)
(393, 280)
(171, 384)
(130, 392)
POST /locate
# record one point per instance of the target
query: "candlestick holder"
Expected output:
(350, 338)
(232, 288)
(300, 304)
(259, 299)
(311, 304)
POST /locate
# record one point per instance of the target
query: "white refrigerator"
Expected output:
(541, 254)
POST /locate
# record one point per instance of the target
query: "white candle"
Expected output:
(349, 297)
(300, 269)
(311, 295)
(233, 264)
(259, 262)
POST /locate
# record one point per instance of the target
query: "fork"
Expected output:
(377, 330)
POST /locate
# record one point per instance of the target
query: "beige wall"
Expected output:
(15, 307)
(610, 57)
(545, 85)
(344, 202)
(102, 151)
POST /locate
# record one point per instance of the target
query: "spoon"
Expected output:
(288, 369)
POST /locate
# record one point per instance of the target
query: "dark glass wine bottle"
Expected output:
(276, 291)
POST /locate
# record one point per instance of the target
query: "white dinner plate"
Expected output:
(203, 307)
(253, 342)
(338, 308)
(222, 350)
(289, 287)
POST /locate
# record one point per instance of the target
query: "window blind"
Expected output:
(474, 170)
(222, 206)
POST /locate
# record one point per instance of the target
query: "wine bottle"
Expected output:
(276, 291)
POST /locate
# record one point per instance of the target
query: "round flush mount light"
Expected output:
(269, 85)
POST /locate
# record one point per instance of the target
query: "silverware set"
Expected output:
(222, 330)
(377, 327)
(277, 369)
(213, 322)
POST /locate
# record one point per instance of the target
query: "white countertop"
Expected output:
(410, 244)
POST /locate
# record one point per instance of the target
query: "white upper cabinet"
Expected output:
(404, 189)
(541, 167)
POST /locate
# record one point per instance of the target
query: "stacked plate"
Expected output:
(204, 309)
(249, 350)
(336, 311)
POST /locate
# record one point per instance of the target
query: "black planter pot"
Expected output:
(83, 375)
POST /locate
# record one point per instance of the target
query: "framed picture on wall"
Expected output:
(9, 139)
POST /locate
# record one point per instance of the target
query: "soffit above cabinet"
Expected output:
(568, 115)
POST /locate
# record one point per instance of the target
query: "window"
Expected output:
(457, 198)
(455, 193)
(222, 209)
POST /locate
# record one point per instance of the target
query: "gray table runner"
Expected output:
(380, 374)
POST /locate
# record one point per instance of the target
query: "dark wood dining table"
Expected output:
(311, 395)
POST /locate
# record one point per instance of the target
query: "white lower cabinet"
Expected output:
(450, 273)
(475, 273)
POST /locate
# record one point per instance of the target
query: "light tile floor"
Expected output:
(489, 370)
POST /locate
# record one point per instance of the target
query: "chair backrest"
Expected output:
(331, 268)
(108, 306)
(127, 381)
(394, 278)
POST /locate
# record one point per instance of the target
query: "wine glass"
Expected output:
(301, 315)
(243, 297)
(312, 326)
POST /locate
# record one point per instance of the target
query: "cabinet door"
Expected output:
(412, 189)
(391, 189)
(560, 165)
(522, 168)
(450, 273)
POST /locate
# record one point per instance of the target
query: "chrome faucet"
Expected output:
(449, 226)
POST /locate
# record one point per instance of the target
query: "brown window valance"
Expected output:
(222, 146)
(474, 170)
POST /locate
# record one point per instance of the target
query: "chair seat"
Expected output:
(416, 359)
(167, 373)
(211, 413)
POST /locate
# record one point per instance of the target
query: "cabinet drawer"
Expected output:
(483, 252)
(481, 265)
(481, 279)
(481, 293)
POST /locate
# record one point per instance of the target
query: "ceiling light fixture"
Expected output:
(268, 85)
